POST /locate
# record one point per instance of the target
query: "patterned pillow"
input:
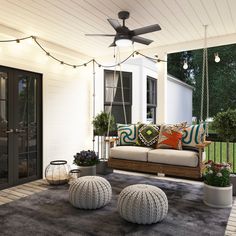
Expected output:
(170, 136)
(127, 134)
(193, 135)
(148, 134)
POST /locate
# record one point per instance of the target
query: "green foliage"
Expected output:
(222, 77)
(101, 122)
(86, 158)
(224, 123)
(217, 174)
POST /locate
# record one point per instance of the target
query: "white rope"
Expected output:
(111, 104)
(205, 76)
(203, 83)
(122, 91)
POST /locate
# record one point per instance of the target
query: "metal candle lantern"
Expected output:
(57, 172)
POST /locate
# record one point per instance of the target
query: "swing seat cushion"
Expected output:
(174, 157)
(130, 153)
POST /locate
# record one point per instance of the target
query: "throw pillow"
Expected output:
(194, 135)
(148, 134)
(170, 136)
(127, 134)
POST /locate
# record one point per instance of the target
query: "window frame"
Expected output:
(120, 103)
(152, 105)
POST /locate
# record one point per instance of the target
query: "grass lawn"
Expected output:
(217, 152)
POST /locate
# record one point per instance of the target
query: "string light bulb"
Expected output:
(217, 58)
(185, 66)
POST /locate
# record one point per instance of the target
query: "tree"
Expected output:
(222, 77)
(225, 125)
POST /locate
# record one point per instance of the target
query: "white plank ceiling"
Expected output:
(65, 22)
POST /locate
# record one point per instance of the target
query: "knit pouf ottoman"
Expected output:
(90, 192)
(142, 204)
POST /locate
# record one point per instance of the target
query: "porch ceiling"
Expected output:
(65, 22)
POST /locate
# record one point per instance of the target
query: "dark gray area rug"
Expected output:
(50, 213)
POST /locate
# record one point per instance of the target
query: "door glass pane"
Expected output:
(3, 83)
(32, 102)
(23, 166)
(27, 125)
(22, 140)
(22, 101)
(3, 129)
(32, 164)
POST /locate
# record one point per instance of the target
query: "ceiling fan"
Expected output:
(124, 36)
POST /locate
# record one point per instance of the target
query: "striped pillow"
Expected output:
(193, 135)
(127, 134)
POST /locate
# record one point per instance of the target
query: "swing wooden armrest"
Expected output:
(204, 144)
(112, 141)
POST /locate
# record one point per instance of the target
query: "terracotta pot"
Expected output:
(219, 197)
(87, 170)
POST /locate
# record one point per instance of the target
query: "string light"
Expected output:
(185, 66)
(33, 39)
(217, 58)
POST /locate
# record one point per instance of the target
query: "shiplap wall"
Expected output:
(66, 101)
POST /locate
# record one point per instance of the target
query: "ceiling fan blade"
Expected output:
(113, 44)
(114, 23)
(109, 35)
(142, 40)
(145, 30)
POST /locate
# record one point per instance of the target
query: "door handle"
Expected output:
(9, 131)
(19, 131)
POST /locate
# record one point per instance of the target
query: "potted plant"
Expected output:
(103, 123)
(86, 161)
(217, 187)
(224, 123)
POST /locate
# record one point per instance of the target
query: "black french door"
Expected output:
(20, 126)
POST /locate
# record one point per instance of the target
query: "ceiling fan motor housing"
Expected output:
(123, 15)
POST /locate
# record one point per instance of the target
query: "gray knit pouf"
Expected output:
(90, 192)
(142, 204)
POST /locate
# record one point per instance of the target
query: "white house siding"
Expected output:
(179, 101)
(66, 101)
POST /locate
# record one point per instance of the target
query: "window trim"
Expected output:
(127, 104)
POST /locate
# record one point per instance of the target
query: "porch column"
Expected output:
(161, 89)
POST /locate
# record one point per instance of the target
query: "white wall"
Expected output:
(179, 101)
(66, 100)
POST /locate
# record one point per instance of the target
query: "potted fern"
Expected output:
(103, 123)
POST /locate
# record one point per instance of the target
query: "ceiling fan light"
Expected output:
(123, 42)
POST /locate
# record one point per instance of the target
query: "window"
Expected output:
(113, 94)
(151, 99)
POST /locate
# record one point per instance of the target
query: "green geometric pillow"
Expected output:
(127, 134)
(193, 135)
(148, 134)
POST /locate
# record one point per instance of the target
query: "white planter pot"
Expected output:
(87, 170)
(219, 197)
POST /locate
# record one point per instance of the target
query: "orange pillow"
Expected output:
(171, 136)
